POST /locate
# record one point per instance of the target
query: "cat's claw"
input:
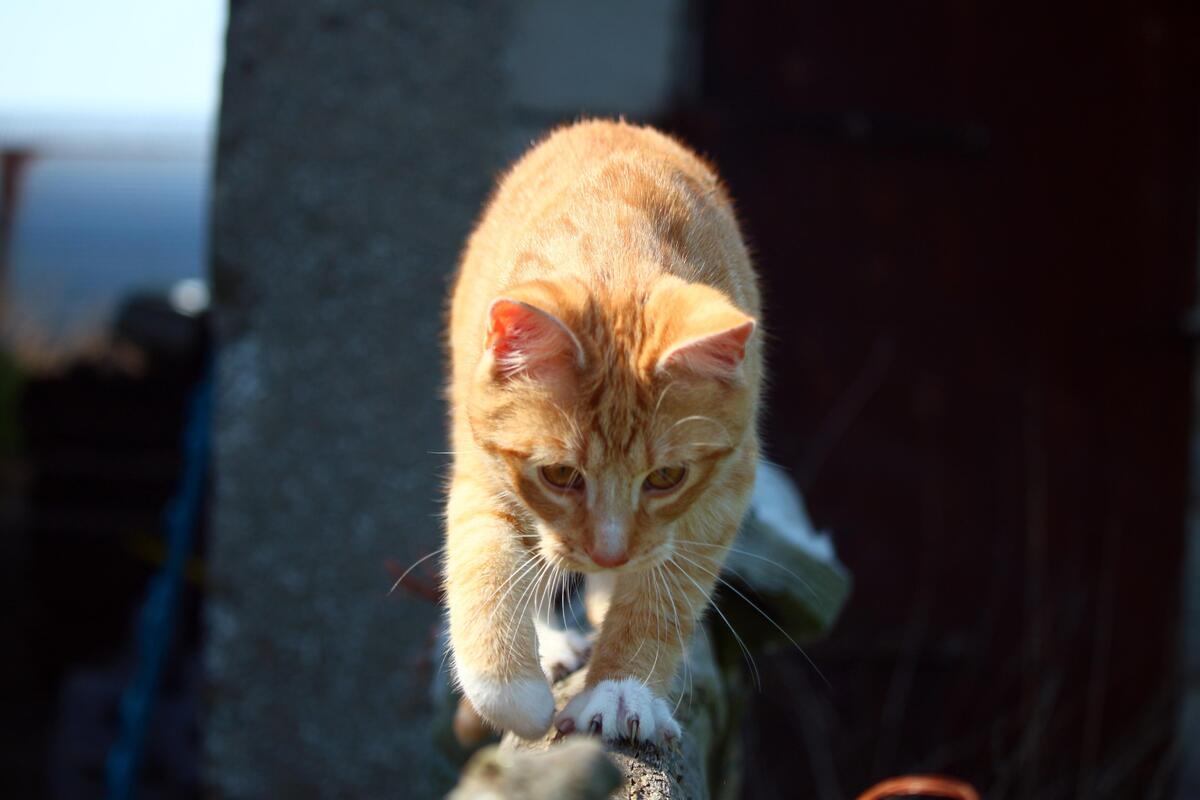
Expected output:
(623, 709)
(562, 651)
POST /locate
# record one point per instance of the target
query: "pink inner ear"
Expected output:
(524, 339)
(716, 355)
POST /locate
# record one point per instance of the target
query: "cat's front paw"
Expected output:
(623, 709)
(523, 705)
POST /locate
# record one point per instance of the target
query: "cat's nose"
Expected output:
(608, 559)
(609, 545)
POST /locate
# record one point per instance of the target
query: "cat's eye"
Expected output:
(664, 478)
(562, 476)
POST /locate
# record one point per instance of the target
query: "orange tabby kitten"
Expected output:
(605, 384)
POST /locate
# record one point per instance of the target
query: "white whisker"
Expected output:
(513, 626)
(415, 564)
(700, 418)
(522, 569)
(531, 592)
(764, 614)
(657, 632)
(737, 637)
(661, 396)
(571, 605)
(747, 553)
(687, 669)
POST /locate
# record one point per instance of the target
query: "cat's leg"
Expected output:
(491, 573)
(647, 627)
(562, 650)
(597, 596)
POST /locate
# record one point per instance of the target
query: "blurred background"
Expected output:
(977, 228)
(106, 120)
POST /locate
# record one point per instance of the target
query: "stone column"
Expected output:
(357, 142)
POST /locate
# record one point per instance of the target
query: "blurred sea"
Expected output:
(102, 212)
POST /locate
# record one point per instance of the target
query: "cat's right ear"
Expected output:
(525, 340)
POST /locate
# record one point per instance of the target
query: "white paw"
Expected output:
(523, 706)
(623, 709)
(561, 651)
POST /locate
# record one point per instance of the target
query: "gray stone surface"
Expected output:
(577, 769)
(678, 770)
(357, 142)
(626, 57)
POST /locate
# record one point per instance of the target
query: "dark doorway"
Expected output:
(976, 225)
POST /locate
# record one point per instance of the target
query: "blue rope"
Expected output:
(156, 620)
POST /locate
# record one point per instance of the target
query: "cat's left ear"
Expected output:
(711, 339)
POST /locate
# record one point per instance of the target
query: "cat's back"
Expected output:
(591, 190)
(574, 155)
(572, 185)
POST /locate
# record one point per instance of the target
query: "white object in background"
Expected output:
(777, 503)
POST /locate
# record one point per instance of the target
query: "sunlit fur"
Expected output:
(615, 253)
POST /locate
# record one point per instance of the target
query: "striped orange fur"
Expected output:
(603, 336)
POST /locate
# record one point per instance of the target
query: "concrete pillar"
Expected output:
(357, 143)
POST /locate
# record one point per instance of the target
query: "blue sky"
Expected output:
(113, 58)
(116, 201)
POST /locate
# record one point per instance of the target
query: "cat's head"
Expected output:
(608, 415)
